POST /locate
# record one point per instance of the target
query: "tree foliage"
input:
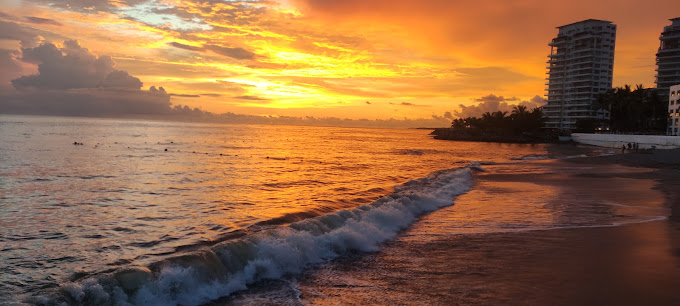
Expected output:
(634, 110)
(519, 121)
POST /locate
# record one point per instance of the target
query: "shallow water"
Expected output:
(142, 194)
(562, 234)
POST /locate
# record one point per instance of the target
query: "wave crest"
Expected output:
(205, 275)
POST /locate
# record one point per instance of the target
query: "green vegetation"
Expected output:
(518, 122)
(521, 125)
(631, 111)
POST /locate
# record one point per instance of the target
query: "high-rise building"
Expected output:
(668, 58)
(580, 66)
(674, 111)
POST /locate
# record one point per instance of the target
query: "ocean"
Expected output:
(119, 212)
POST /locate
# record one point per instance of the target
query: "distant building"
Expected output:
(668, 58)
(674, 111)
(580, 66)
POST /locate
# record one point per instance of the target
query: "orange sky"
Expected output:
(342, 58)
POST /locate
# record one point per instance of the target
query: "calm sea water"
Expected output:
(150, 212)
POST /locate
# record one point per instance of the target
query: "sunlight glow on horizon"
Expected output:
(243, 56)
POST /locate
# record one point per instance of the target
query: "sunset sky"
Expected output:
(343, 58)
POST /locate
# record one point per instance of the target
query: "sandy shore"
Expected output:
(632, 264)
(666, 164)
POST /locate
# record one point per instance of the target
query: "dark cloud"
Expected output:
(180, 112)
(536, 101)
(121, 79)
(185, 47)
(447, 117)
(494, 98)
(367, 102)
(6, 16)
(10, 67)
(211, 95)
(39, 20)
(75, 82)
(493, 103)
(98, 102)
(87, 6)
(236, 53)
(407, 104)
(250, 98)
(13, 29)
(412, 104)
(184, 96)
(72, 67)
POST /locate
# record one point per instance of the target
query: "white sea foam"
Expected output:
(206, 275)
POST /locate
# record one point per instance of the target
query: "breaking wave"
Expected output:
(205, 275)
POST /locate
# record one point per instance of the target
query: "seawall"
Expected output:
(616, 141)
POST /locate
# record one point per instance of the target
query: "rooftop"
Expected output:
(589, 20)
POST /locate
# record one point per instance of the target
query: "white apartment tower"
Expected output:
(580, 66)
(668, 58)
(674, 111)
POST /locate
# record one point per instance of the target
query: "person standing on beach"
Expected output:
(623, 149)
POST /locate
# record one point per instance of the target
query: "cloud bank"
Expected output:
(493, 103)
(73, 81)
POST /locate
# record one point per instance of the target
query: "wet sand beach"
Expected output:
(611, 254)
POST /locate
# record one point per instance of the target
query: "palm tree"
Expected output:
(633, 110)
(458, 123)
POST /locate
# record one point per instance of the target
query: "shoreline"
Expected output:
(453, 135)
(666, 164)
(631, 264)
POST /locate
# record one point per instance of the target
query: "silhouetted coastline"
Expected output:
(458, 135)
